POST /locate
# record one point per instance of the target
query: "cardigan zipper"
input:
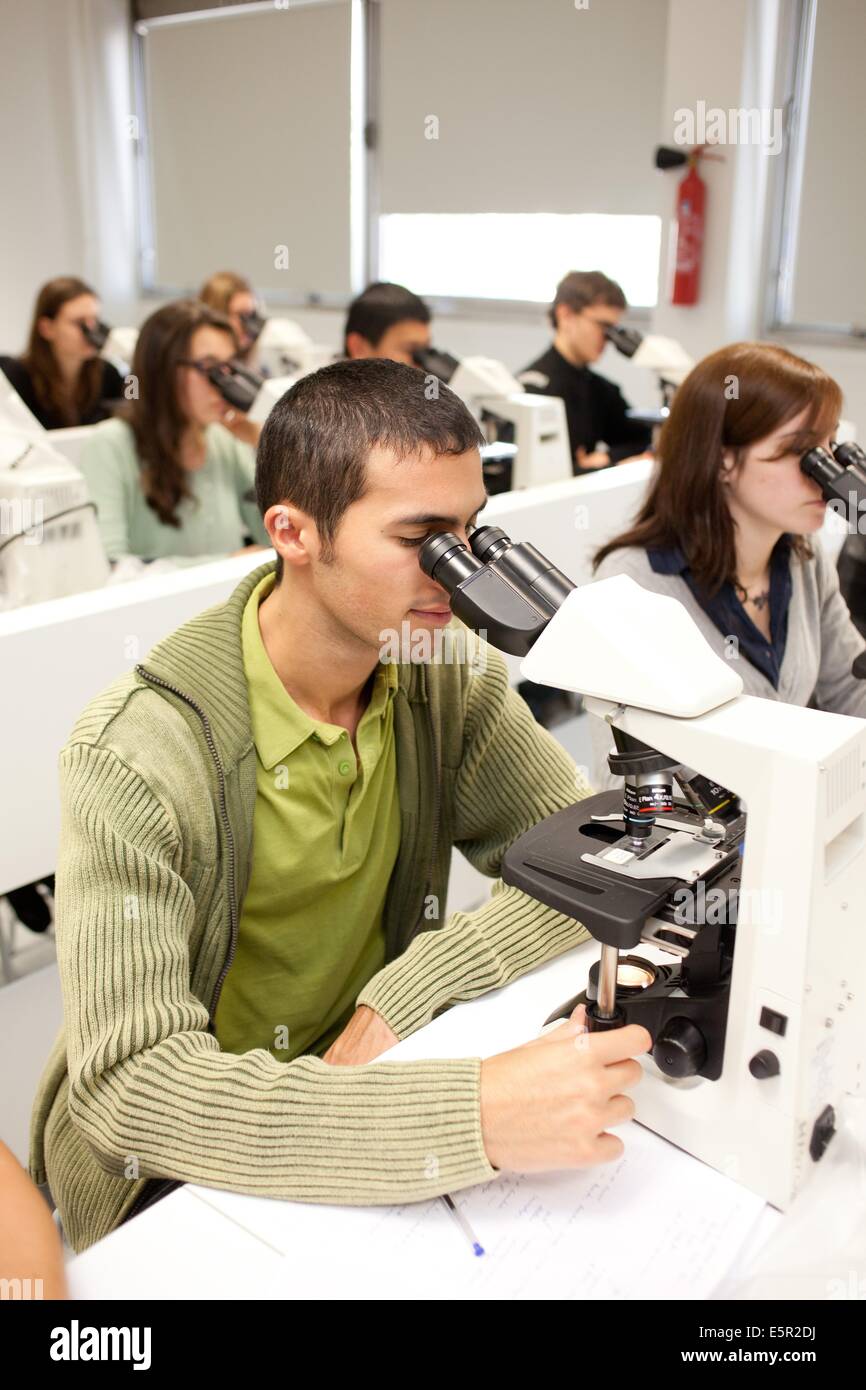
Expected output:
(434, 845)
(224, 817)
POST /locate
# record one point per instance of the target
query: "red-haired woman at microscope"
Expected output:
(727, 528)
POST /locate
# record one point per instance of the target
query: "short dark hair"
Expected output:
(316, 441)
(580, 288)
(378, 308)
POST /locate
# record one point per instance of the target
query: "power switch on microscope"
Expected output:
(777, 1023)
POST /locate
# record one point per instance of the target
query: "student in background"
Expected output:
(586, 303)
(726, 529)
(60, 377)
(173, 475)
(232, 295)
(31, 1251)
(387, 320)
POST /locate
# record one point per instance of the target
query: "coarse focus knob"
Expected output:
(680, 1048)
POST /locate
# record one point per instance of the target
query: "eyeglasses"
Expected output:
(206, 365)
(599, 323)
(200, 363)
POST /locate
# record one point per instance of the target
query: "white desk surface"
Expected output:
(204, 1243)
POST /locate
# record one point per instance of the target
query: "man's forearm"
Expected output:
(472, 953)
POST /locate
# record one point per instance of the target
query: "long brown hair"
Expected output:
(42, 365)
(730, 400)
(155, 415)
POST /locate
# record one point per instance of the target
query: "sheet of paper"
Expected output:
(656, 1223)
(653, 1224)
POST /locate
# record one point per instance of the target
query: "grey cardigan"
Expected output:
(822, 643)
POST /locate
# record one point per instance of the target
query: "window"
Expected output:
(533, 157)
(518, 256)
(818, 283)
(248, 131)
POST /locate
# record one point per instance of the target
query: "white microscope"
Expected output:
(507, 413)
(49, 539)
(754, 896)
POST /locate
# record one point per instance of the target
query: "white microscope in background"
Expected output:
(530, 430)
(731, 922)
(50, 544)
(665, 357)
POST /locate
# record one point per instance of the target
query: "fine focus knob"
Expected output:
(764, 1064)
(680, 1048)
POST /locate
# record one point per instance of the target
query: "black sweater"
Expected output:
(112, 390)
(595, 408)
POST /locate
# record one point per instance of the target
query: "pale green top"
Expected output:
(214, 521)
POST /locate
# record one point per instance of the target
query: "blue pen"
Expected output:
(467, 1230)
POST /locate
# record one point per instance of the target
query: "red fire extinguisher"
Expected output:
(689, 222)
(691, 201)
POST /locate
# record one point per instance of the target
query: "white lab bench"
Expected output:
(204, 1243)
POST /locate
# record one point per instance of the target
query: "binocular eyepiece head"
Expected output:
(435, 363)
(253, 323)
(625, 340)
(447, 559)
(236, 383)
(825, 466)
(509, 592)
(96, 334)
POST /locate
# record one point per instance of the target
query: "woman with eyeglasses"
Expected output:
(729, 528)
(173, 475)
(60, 377)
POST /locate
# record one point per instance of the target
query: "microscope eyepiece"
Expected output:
(489, 542)
(445, 558)
(625, 340)
(236, 383)
(96, 334)
(850, 455)
(820, 465)
(436, 363)
(508, 603)
(253, 323)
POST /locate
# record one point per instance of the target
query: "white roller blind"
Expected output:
(830, 262)
(248, 126)
(541, 107)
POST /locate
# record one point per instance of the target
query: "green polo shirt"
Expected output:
(326, 832)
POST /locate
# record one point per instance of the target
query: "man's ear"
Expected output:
(284, 525)
(359, 346)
